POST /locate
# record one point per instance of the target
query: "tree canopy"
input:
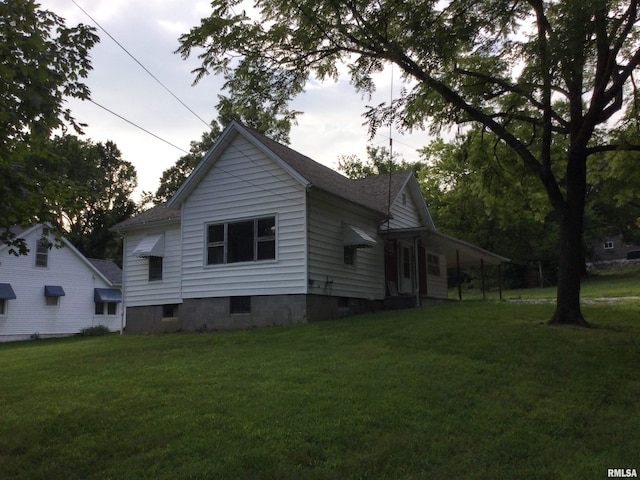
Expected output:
(552, 80)
(43, 63)
(101, 185)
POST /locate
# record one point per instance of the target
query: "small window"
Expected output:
(404, 199)
(106, 308)
(169, 311)
(239, 305)
(42, 253)
(433, 265)
(155, 268)
(406, 262)
(3, 306)
(608, 245)
(350, 255)
(52, 301)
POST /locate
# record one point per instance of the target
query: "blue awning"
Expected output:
(53, 291)
(107, 295)
(6, 292)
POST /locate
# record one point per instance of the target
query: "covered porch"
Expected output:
(417, 261)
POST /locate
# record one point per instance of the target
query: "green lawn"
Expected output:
(620, 283)
(473, 390)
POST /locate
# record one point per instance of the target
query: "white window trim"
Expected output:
(226, 223)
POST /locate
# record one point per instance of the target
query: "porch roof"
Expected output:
(469, 255)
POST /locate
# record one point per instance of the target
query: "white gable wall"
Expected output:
(243, 184)
(404, 214)
(138, 290)
(327, 271)
(28, 314)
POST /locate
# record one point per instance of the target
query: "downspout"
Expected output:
(123, 308)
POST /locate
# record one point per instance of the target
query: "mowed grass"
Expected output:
(595, 286)
(474, 390)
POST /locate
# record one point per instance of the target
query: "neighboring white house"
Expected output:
(54, 290)
(262, 235)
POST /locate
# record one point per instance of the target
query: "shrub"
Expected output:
(97, 331)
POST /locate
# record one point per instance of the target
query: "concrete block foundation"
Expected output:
(238, 313)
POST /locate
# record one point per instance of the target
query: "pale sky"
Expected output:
(331, 125)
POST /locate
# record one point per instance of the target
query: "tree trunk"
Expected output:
(571, 261)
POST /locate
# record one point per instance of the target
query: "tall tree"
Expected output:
(562, 69)
(102, 185)
(379, 161)
(42, 63)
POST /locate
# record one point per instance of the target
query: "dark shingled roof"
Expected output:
(371, 192)
(159, 213)
(109, 269)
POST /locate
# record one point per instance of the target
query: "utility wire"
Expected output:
(138, 126)
(141, 65)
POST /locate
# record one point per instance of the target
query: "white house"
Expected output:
(262, 235)
(54, 290)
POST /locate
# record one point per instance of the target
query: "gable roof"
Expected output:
(371, 193)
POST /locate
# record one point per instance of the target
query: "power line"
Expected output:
(141, 65)
(138, 126)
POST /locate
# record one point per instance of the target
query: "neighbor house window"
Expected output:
(350, 255)
(52, 301)
(42, 253)
(3, 306)
(244, 241)
(608, 245)
(238, 305)
(106, 308)
(433, 264)
(155, 268)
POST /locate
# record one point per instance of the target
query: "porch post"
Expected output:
(500, 279)
(484, 295)
(458, 274)
(416, 245)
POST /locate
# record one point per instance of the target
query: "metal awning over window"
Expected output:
(355, 237)
(150, 246)
(6, 292)
(53, 291)
(107, 295)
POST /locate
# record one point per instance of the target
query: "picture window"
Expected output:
(243, 241)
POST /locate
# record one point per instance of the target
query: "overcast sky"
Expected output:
(149, 29)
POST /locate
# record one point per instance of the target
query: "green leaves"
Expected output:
(42, 62)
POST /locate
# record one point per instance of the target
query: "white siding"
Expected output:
(437, 285)
(243, 184)
(404, 215)
(28, 314)
(327, 271)
(138, 290)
